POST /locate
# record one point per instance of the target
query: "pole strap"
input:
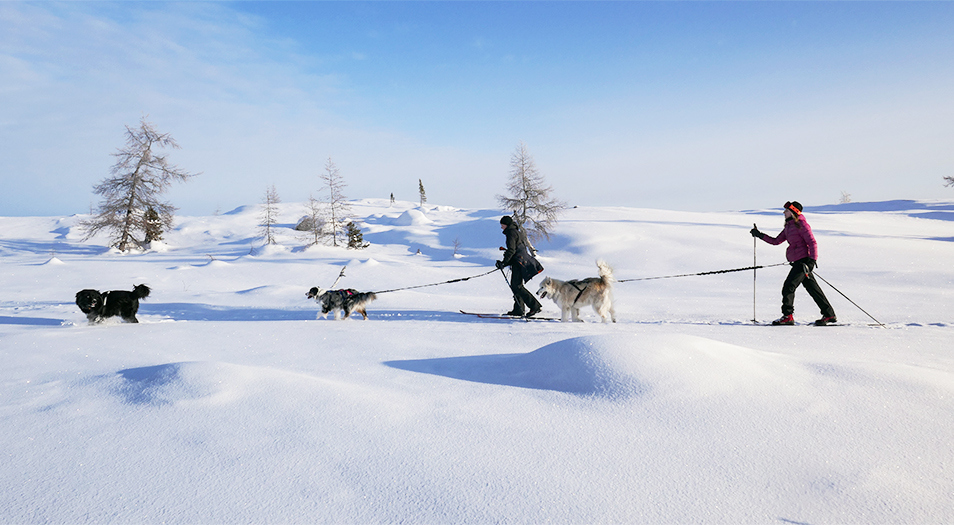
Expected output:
(702, 273)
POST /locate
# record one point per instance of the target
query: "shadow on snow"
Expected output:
(208, 312)
(30, 321)
(565, 366)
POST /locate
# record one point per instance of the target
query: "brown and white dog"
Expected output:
(570, 296)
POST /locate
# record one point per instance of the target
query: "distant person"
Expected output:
(802, 254)
(523, 267)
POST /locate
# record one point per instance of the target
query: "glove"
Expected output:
(499, 264)
(808, 264)
(756, 233)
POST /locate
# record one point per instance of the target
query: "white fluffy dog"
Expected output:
(570, 296)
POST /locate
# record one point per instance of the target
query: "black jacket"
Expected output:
(517, 256)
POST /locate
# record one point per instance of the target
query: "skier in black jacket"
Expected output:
(523, 267)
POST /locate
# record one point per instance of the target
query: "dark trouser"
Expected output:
(798, 276)
(522, 298)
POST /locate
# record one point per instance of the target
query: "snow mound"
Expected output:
(188, 382)
(159, 247)
(53, 261)
(624, 366)
(412, 218)
(354, 263)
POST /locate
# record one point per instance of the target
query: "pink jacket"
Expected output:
(801, 241)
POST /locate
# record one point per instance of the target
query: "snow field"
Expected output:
(230, 403)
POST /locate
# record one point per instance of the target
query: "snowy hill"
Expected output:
(230, 403)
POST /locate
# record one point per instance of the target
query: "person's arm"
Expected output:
(778, 239)
(511, 247)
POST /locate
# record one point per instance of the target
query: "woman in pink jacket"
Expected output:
(802, 254)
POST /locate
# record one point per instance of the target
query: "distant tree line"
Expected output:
(133, 214)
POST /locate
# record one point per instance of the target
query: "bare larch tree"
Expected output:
(131, 204)
(338, 212)
(313, 224)
(529, 196)
(269, 215)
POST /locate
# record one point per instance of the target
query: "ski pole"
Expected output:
(846, 297)
(508, 285)
(755, 266)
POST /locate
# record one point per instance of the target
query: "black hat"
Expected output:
(506, 219)
(794, 207)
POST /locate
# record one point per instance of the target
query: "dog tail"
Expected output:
(606, 272)
(141, 291)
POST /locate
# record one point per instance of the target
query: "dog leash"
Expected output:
(437, 284)
(702, 273)
(340, 275)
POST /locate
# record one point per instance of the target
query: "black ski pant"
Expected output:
(801, 275)
(522, 298)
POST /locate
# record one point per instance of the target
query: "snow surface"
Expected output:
(230, 403)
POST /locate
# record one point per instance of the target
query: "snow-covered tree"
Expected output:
(529, 196)
(313, 223)
(154, 227)
(338, 211)
(355, 237)
(137, 180)
(420, 191)
(949, 181)
(269, 216)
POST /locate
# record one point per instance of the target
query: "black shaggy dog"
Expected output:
(341, 301)
(98, 306)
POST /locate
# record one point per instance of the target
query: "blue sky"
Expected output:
(677, 105)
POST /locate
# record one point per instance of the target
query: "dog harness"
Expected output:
(573, 284)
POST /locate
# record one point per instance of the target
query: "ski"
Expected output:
(797, 324)
(508, 317)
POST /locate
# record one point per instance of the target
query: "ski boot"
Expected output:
(785, 320)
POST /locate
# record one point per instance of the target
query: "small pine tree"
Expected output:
(355, 238)
(420, 190)
(153, 225)
(392, 198)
